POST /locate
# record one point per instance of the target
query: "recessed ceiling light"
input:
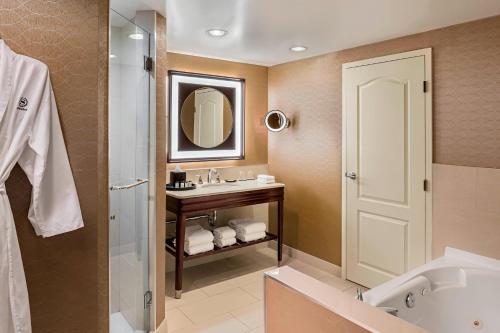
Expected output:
(216, 32)
(298, 48)
(136, 36)
(112, 56)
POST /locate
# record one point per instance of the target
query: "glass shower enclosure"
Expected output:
(129, 176)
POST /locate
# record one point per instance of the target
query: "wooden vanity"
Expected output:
(219, 196)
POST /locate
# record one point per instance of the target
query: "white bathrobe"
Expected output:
(30, 134)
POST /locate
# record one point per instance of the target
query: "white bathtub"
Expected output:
(456, 293)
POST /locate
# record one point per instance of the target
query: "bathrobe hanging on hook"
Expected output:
(30, 134)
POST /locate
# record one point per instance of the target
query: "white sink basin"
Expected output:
(220, 188)
(219, 185)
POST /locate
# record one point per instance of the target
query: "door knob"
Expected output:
(351, 175)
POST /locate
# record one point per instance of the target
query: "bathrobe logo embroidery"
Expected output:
(23, 103)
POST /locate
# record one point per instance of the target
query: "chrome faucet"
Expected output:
(359, 294)
(211, 174)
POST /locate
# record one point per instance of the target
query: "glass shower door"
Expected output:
(128, 176)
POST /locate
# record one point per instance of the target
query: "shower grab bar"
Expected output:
(129, 186)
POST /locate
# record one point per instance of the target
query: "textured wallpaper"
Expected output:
(307, 157)
(65, 36)
(161, 160)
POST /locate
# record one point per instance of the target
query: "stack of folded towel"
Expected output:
(198, 240)
(224, 236)
(248, 230)
(266, 179)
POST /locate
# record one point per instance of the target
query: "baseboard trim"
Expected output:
(309, 259)
(163, 327)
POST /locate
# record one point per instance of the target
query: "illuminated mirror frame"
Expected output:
(175, 154)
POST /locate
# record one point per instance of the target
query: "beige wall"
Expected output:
(255, 102)
(307, 157)
(161, 160)
(71, 38)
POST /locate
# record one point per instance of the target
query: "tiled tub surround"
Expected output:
(296, 302)
(466, 210)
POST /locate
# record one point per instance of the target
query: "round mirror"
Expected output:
(276, 121)
(206, 117)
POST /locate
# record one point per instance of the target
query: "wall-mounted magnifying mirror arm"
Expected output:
(276, 121)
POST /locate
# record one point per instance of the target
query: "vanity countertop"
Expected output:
(222, 188)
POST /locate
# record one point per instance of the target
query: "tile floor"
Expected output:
(226, 296)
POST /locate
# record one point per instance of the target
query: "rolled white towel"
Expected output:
(192, 228)
(266, 179)
(251, 237)
(224, 233)
(249, 227)
(191, 250)
(225, 242)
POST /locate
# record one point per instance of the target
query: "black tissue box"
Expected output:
(177, 176)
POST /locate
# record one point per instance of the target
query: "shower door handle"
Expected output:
(129, 186)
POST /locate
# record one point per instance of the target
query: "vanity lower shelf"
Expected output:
(170, 247)
(206, 199)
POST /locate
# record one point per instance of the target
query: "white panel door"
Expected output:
(208, 118)
(385, 154)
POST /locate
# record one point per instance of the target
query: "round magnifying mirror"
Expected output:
(276, 121)
(206, 117)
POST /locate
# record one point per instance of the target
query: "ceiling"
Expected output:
(262, 31)
(128, 8)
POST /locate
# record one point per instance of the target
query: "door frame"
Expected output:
(427, 54)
